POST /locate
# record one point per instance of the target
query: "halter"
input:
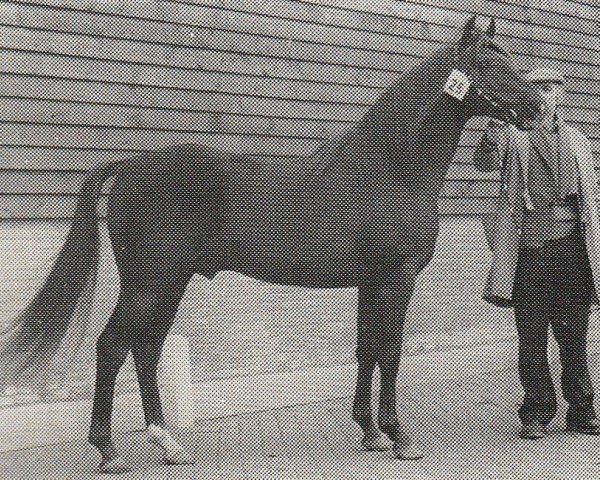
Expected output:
(458, 83)
(495, 104)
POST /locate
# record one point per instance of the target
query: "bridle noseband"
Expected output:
(494, 104)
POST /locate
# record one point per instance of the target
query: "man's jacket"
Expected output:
(505, 148)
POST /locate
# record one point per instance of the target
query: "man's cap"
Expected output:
(539, 75)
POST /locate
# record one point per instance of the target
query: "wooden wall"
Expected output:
(83, 81)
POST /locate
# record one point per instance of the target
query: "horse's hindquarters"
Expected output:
(163, 215)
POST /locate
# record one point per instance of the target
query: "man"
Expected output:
(546, 245)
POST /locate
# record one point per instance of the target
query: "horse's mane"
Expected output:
(398, 113)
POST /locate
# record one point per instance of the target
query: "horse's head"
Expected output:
(488, 82)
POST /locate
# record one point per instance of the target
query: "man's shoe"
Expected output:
(533, 431)
(589, 427)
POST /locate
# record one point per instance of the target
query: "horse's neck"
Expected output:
(406, 140)
(434, 147)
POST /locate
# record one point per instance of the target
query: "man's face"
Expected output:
(552, 94)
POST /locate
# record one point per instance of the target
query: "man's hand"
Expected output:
(489, 154)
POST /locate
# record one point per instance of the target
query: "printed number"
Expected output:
(456, 87)
(457, 84)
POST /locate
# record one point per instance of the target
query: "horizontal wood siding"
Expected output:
(84, 82)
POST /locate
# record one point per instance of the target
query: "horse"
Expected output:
(368, 219)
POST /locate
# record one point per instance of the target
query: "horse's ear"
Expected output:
(468, 29)
(491, 30)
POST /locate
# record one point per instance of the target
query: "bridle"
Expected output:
(494, 104)
(479, 93)
(427, 108)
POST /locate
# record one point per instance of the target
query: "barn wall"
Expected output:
(83, 82)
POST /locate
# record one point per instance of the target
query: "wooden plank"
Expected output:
(72, 113)
(149, 139)
(32, 159)
(283, 20)
(516, 11)
(210, 45)
(389, 16)
(12, 182)
(255, 63)
(79, 160)
(578, 107)
(99, 137)
(32, 63)
(27, 207)
(39, 111)
(95, 70)
(99, 71)
(58, 159)
(54, 182)
(82, 159)
(185, 98)
(379, 15)
(76, 113)
(200, 58)
(67, 43)
(565, 7)
(167, 33)
(145, 138)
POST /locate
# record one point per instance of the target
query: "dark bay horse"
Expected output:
(369, 218)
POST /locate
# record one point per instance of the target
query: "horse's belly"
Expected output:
(296, 260)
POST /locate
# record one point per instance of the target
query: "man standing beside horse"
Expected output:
(546, 245)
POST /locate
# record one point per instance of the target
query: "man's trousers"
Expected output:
(554, 287)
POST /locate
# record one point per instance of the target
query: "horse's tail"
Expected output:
(34, 338)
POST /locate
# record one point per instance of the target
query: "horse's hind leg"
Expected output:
(112, 348)
(146, 349)
(140, 323)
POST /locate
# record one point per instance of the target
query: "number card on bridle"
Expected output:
(457, 84)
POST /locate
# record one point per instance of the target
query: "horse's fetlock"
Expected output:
(103, 444)
(363, 419)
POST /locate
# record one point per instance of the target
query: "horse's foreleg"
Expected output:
(394, 298)
(366, 355)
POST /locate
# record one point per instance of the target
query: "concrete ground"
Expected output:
(468, 426)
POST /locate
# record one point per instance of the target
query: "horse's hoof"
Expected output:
(179, 457)
(408, 452)
(115, 465)
(376, 442)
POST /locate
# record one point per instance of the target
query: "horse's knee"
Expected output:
(366, 354)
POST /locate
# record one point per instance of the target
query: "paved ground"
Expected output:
(468, 426)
